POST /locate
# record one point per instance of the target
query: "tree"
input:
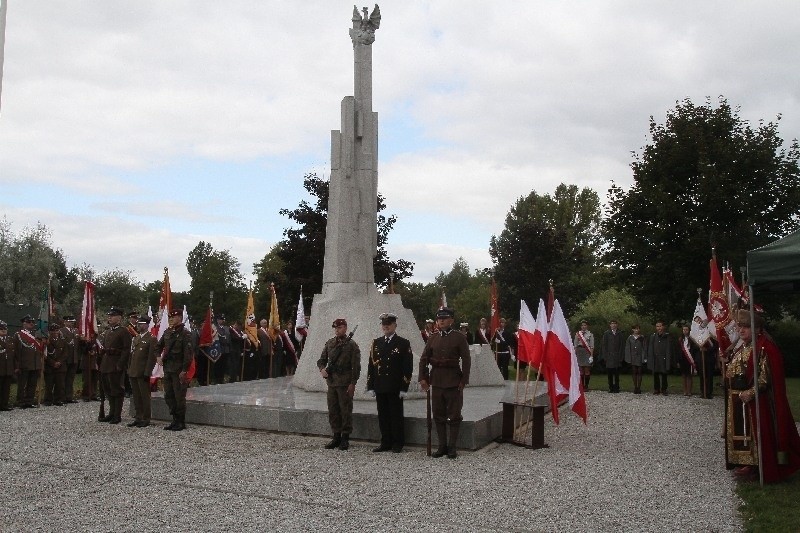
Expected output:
(118, 288)
(549, 237)
(707, 178)
(217, 271)
(302, 248)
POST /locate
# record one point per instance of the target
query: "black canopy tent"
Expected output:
(774, 267)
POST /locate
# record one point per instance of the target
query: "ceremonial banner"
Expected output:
(300, 326)
(699, 331)
(87, 327)
(187, 326)
(209, 338)
(561, 362)
(494, 318)
(274, 317)
(720, 310)
(157, 329)
(250, 326)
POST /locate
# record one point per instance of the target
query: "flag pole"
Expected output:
(208, 359)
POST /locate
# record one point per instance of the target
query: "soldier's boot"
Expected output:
(118, 412)
(171, 426)
(115, 408)
(345, 443)
(451, 444)
(334, 443)
(181, 425)
(441, 433)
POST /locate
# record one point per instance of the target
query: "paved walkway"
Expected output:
(643, 463)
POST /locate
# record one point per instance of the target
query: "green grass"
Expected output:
(771, 507)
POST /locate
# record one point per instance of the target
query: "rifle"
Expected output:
(428, 411)
(332, 361)
(100, 350)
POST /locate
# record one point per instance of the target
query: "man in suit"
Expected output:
(391, 364)
(140, 366)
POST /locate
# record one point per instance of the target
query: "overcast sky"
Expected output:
(135, 129)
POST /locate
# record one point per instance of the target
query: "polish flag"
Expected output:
(187, 326)
(526, 335)
(561, 364)
(87, 327)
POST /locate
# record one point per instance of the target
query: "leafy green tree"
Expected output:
(707, 178)
(603, 306)
(118, 288)
(217, 271)
(549, 237)
(302, 248)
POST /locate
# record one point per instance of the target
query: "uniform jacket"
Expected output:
(611, 348)
(505, 341)
(224, 333)
(143, 355)
(176, 349)
(56, 352)
(660, 353)
(116, 349)
(344, 356)
(443, 352)
(8, 362)
(28, 351)
(390, 365)
(72, 344)
(636, 350)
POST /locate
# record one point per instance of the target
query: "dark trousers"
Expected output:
(112, 384)
(613, 379)
(69, 382)
(277, 365)
(340, 410)
(26, 386)
(140, 387)
(660, 381)
(390, 418)
(201, 368)
(706, 372)
(250, 366)
(5, 391)
(503, 358)
(218, 369)
(54, 387)
(175, 395)
(91, 383)
(446, 405)
(234, 366)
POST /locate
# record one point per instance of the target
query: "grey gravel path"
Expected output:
(643, 463)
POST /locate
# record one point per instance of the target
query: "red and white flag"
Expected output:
(561, 363)
(87, 327)
(300, 326)
(719, 308)
(494, 313)
(532, 334)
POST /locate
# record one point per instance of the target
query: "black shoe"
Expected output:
(132, 424)
(87, 399)
(115, 420)
(24, 406)
(142, 424)
(108, 418)
(451, 454)
(440, 452)
(171, 426)
(70, 401)
(59, 404)
(5, 409)
(397, 449)
(180, 426)
(334, 443)
(345, 444)
(46, 404)
(382, 448)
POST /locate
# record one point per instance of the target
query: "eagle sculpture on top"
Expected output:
(363, 31)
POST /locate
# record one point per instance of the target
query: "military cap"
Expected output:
(69, 318)
(143, 319)
(445, 312)
(3, 325)
(743, 319)
(221, 316)
(112, 311)
(53, 327)
(133, 314)
(429, 321)
(388, 318)
(27, 318)
(176, 312)
(339, 322)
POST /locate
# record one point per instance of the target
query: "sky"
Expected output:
(135, 129)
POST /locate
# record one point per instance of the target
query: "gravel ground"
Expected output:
(643, 463)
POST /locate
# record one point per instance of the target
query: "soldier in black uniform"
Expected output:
(8, 366)
(340, 366)
(447, 353)
(114, 360)
(388, 376)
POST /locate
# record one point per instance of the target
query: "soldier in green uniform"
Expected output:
(72, 341)
(140, 366)
(340, 366)
(55, 366)
(175, 354)
(29, 357)
(8, 366)
(114, 359)
(447, 353)
(391, 363)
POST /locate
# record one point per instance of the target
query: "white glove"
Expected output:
(371, 393)
(591, 359)
(513, 358)
(403, 394)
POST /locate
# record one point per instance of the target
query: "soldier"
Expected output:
(388, 376)
(611, 351)
(140, 366)
(29, 358)
(55, 366)
(90, 368)
(8, 366)
(443, 353)
(131, 326)
(113, 361)
(175, 349)
(340, 366)
(72, 341)
(660, 357)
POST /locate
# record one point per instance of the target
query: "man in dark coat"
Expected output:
(660, 357)
(113, 362)
(391, 364)
(140, 367)
(175, 354)
(447, 353)
(55, 366)
(612, 348)
(340, 366)
(72, 341)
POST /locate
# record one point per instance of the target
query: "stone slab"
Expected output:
(275, 405)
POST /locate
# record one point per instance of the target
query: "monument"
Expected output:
(348, 279)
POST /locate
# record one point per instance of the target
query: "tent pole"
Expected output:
(755, 356)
